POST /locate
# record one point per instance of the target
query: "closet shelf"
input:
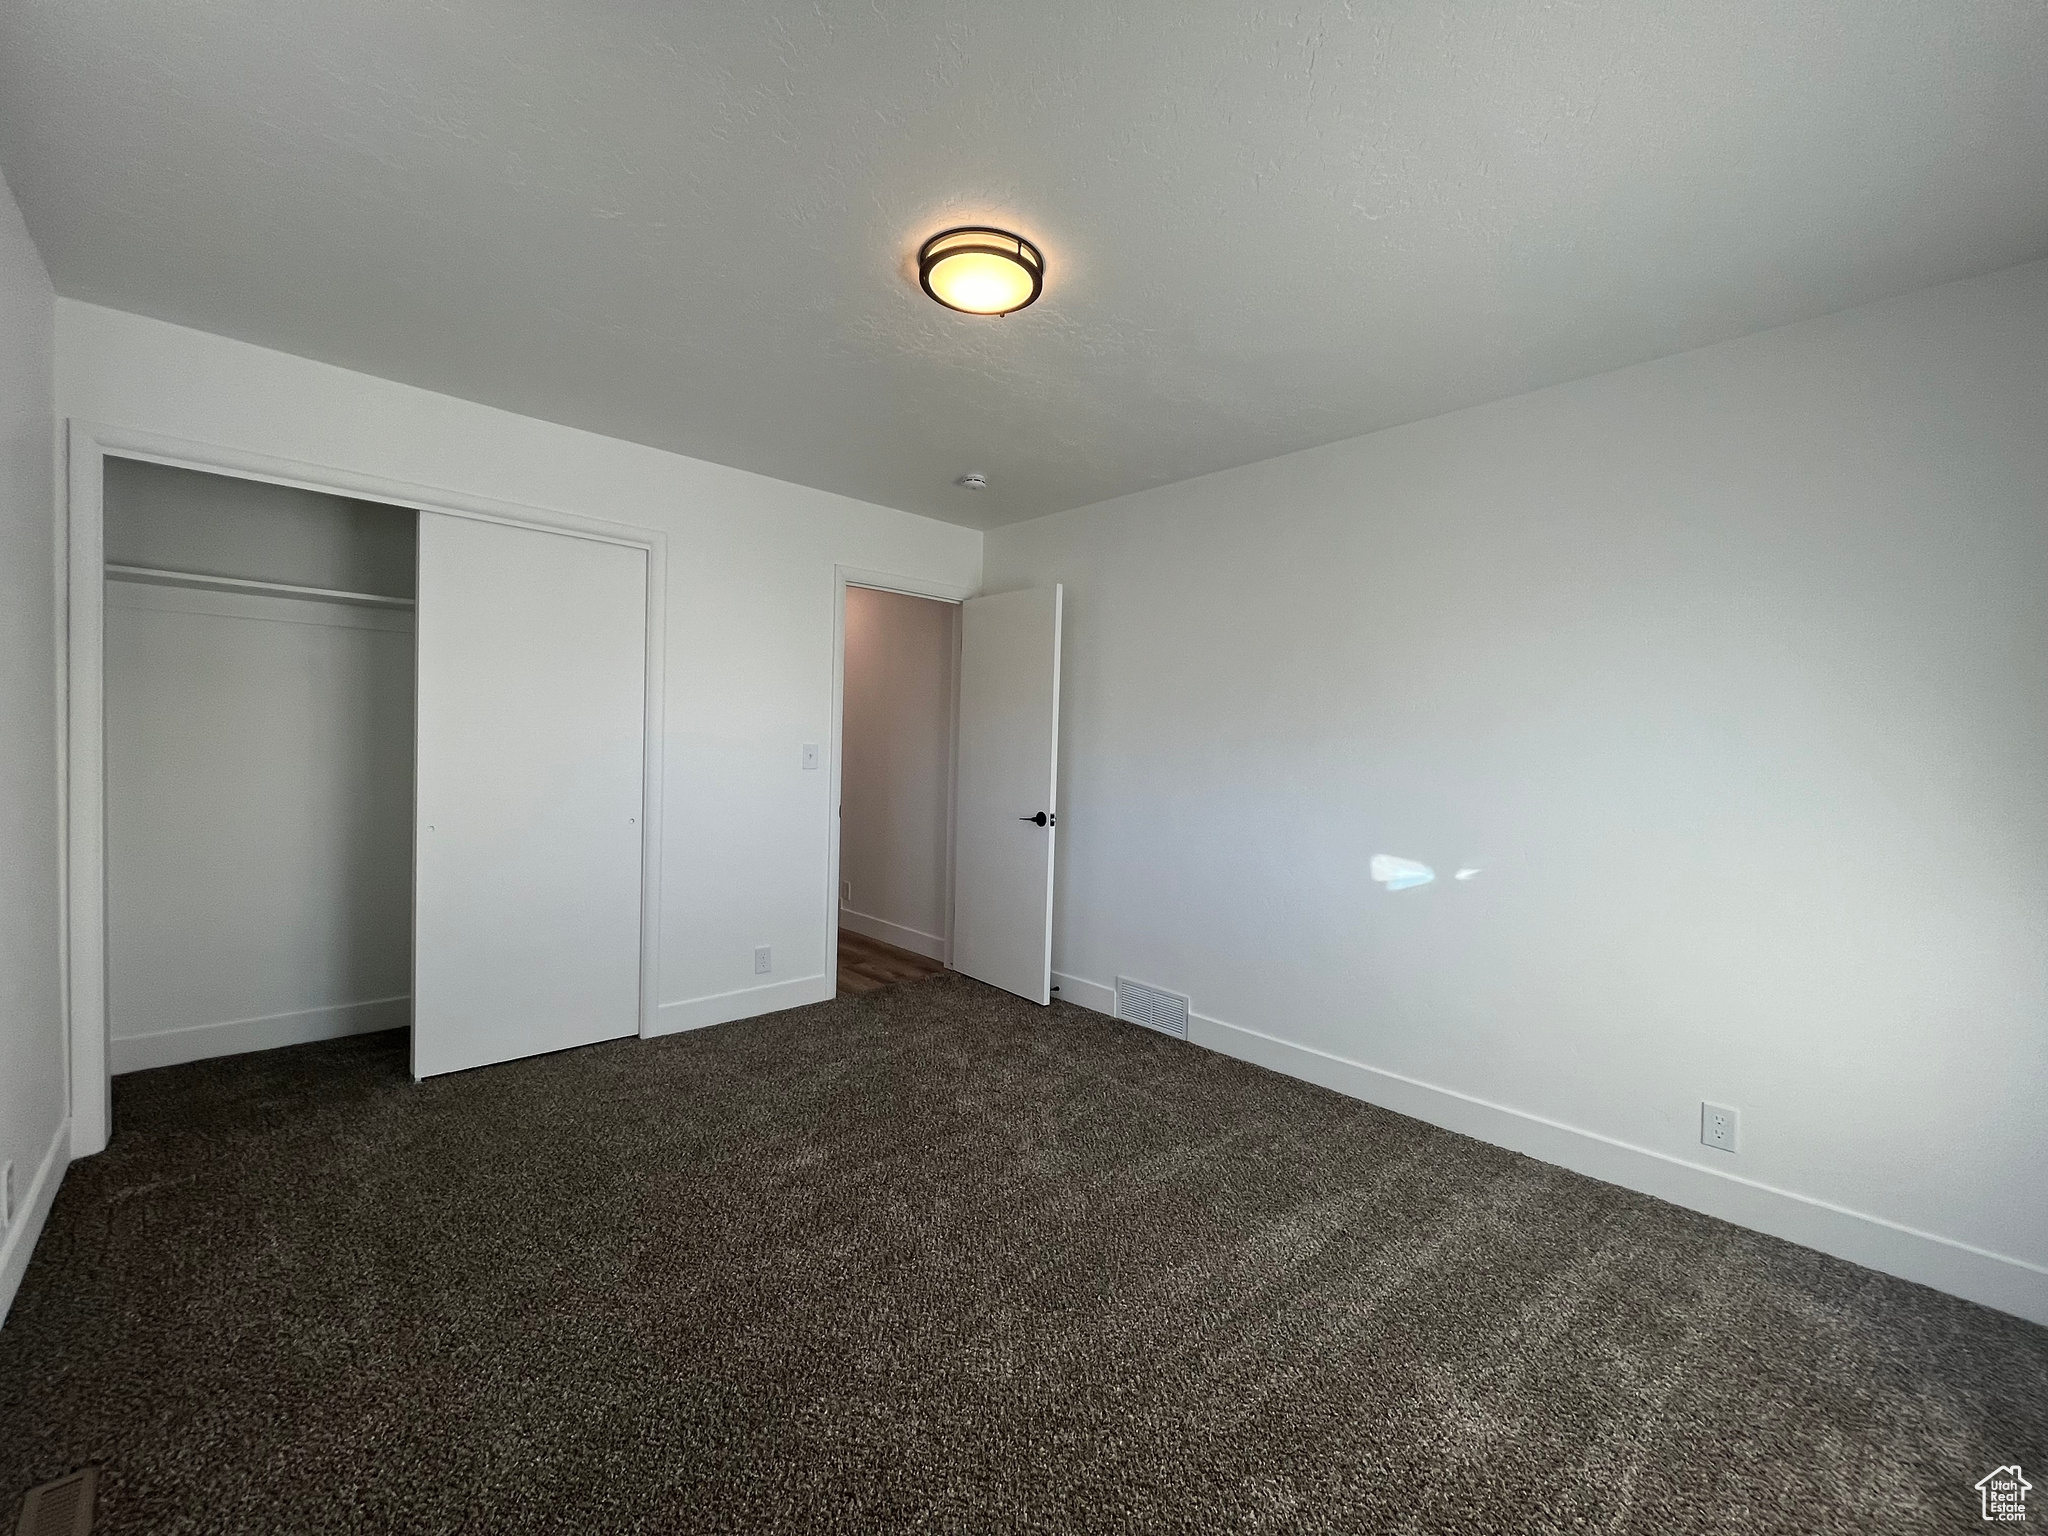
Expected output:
(154, 577)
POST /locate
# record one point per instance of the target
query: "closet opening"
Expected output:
(259, 751)
(898, 732)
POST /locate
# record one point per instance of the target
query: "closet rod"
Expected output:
(159, 578)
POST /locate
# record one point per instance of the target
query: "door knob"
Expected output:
(1041, 820)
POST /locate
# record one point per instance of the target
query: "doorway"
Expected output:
(900, 700)
(935, 686)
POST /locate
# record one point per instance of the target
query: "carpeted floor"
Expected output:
(936, 1260)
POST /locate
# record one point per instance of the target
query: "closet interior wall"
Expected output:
(259, 759)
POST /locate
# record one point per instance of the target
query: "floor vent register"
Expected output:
(61, 1508)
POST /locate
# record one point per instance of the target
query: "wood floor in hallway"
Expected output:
(865, 964)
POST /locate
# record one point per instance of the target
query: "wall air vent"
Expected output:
(1166, 1012)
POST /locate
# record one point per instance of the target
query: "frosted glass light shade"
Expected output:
(981, 271)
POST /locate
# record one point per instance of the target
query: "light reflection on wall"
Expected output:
(1399, 874)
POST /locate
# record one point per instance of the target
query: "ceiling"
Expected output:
(1266, 225)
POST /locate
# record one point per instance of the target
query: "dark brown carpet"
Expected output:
(936, 1260)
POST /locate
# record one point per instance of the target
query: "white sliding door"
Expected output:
(531, 699)
(1006, 809)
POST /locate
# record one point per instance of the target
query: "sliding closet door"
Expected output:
(532, 655)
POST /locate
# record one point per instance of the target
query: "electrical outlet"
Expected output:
(764, 960)
(846, 890)
(1721, 1127)
(6, 1194)
(810, 755)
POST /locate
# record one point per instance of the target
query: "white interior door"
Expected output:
(531, 700)
(1006, 807)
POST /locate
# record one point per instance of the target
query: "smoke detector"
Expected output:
(973, 480)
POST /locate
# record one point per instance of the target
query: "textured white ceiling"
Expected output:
(1266, 226)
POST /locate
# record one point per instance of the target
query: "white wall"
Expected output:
(32, 1088)
(749, 623)
(1730, 671)
(896, 768)
(259, 771)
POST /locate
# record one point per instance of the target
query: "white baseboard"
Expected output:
(20, 1239)
(742, 1003)
(931, 945)
(1089, 994)
(197, 1042)
(1961, 1269)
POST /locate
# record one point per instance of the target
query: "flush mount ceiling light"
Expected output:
(981, 271)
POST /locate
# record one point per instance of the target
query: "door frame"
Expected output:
(81, 691)
(844, 576)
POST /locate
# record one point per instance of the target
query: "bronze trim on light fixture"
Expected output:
(979, 239)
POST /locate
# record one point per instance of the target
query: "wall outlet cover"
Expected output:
(1721, 1127)
(764, 960)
